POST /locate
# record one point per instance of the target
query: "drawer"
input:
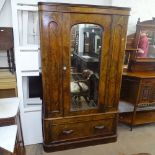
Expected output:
(81, 129)
(148, 81)
(102, 127)
(69, 131)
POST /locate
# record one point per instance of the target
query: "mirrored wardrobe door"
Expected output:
(85, 51)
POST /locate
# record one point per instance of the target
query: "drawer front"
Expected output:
(148, 81)
(102, 127)
(81, 130)
(69, 131)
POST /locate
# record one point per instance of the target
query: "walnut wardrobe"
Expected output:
(82, 49)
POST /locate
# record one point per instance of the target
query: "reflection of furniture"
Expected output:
(131, 50)
(86, 62)
(92, 44)
(75, 39)
(8, 87)
(81, 86)
(63, 127)
(9, 115)
(6, 43)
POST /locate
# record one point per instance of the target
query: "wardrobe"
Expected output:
(80, 102)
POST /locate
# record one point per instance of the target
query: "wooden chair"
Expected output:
(10, 116)
(6, 44)
(81, 87)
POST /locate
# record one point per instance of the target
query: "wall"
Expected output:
(139, 9)
(5, 21)
(5, 15)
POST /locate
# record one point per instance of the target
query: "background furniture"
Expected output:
(138, 89)
(63, 126)
(138, 82)
(9, 115)
(92, 40)
(7, 44)
(83, 62)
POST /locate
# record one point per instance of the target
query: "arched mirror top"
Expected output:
(86, 38)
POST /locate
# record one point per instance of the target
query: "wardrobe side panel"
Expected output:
(116, 55)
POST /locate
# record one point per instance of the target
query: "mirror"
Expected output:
(146, 45)
(145, 39)
(86, 38)
(86, 47)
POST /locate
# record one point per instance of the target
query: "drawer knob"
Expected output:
(67, 132)
(99, 127)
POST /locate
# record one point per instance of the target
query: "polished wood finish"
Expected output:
(138, 88)
(142, 117)
(63, 128)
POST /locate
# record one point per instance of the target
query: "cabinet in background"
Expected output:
(138, 81)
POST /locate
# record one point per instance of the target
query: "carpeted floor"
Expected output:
(140, 140)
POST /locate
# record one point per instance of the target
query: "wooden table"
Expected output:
(138, 90)
(9, 115)
(7, 144)
(6, 44)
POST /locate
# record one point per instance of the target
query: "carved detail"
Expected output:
(145, 93)
(55, 66)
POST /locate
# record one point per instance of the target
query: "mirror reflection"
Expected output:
(86, 45)
(146, 45)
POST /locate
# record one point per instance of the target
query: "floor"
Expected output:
(140, 140)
